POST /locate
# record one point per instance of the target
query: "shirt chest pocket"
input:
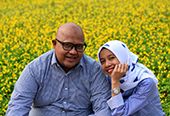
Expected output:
(47, 93)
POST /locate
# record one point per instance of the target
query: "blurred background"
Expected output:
(27, 28)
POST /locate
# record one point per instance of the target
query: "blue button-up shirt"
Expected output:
(46, 90)
(143, 100)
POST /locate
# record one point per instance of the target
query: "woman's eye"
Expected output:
(111, 58)
(102, 61)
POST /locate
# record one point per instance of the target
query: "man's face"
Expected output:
(68, 58)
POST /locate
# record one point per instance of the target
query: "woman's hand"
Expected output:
(118, 72)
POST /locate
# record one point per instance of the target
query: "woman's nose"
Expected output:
(108, 63)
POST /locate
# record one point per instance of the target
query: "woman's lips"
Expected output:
(109, 70)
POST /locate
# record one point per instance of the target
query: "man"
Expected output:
(61, 82)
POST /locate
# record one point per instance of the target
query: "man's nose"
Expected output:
(73, 50)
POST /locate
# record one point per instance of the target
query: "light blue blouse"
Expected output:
(143, 100)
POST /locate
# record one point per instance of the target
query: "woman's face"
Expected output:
(108, 60)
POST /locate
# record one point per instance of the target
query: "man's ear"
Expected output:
(54, 42)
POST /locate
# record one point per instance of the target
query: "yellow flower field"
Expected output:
(27, 28)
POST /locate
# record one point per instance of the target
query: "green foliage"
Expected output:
(27, 28)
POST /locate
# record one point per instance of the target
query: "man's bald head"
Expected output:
(70, 30)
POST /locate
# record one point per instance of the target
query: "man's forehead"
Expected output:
(70, 32)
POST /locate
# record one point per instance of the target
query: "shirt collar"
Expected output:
(53, 61)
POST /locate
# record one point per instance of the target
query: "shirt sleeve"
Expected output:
(135, 102)
(100, 93)
(115, 101)
(23, 94)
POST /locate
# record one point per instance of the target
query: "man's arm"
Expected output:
(23, 94)
(100, 89)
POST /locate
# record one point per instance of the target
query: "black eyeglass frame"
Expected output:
(69, 46)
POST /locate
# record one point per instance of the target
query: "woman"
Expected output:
(134, 86)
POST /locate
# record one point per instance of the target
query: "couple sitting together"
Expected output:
(66, 82)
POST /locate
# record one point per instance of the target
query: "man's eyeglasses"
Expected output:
(69, 46)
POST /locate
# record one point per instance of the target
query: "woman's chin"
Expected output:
(107, 73)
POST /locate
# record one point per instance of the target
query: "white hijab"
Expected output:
(136, 69)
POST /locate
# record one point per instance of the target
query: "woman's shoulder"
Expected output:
(147, 85)
(147, 81)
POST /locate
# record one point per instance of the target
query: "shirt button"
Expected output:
(63, 111)
(65, 102)
(66, 88)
